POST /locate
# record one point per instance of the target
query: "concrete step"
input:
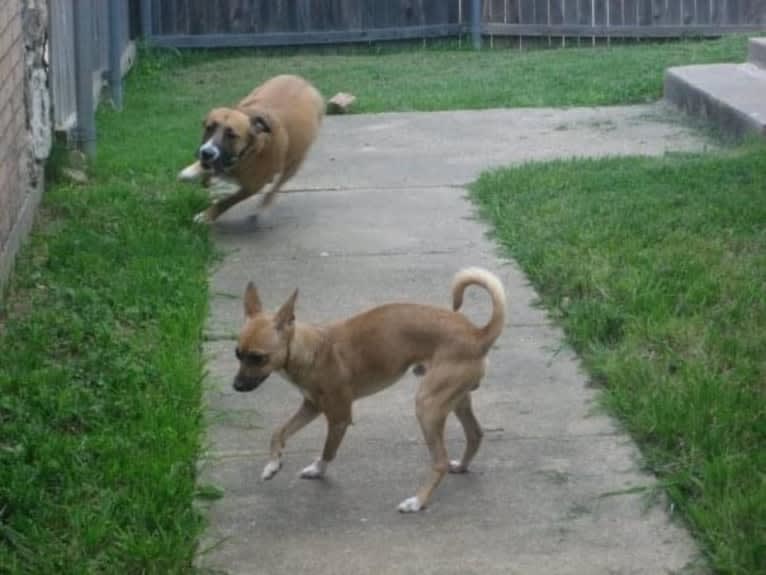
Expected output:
(731, 96)
(756, 51)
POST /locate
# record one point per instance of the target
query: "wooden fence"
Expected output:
(63, 60)
(622, 18)
(203, 23)
(220, 23)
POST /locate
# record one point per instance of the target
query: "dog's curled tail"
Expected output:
(490, 282)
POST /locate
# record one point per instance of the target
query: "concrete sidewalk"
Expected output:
(378, 214)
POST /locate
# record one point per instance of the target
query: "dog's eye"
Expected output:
(251, 358)
(229, 133)
(210, 127)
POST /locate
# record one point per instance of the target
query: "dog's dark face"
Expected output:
(228, 135)
(263, 341)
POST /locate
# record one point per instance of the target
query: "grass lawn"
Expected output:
(101, 329)
(100, 371)
(657, 270)
(439, 79)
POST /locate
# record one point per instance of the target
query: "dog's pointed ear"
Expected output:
(260, 124)
(286, 314)
(252, 301)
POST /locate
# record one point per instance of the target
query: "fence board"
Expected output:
(599, 9)
(542, 12)
(62, 56)
(557, 12)
(498, 29)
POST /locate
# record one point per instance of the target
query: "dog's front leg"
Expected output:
(337, 423)
(305, 415)
(192, 172)
(220, 206)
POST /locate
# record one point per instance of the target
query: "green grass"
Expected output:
(656, 268)
(100, 374)
(440, 79)
(100, 333)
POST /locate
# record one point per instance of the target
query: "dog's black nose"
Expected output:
(208, 153)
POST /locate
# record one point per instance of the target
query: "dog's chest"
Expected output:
(307, 390)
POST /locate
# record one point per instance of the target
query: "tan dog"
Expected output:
(266, 136)
(335, 364)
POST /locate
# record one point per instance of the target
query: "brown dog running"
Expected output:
(335, 364)
(266, 135)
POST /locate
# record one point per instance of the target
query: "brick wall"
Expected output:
(12, 117)
(22, 25)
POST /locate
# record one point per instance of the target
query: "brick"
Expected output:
(11, 151)
(6, 65)
(20, 117)
(17, 98)
(17, 71)
(15, 27)
(7, 116)
(6, 111)
(6, 97)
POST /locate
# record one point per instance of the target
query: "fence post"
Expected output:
(476, 24)
(85, 134)
(115, 52)
(146, 19)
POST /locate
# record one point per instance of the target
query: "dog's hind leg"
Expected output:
(432, 406)
(338, 420)
(271, 195)
(305, 415)
(444, 388)
(473, 434)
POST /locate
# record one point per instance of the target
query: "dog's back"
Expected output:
(297, 105)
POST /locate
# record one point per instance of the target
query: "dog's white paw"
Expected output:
(456, 467)
(202, 218)
(410, 505)
(191, 173)
(220, 189)
(315, 470)
(271, 469)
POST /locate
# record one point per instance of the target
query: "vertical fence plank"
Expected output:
(615, 15)
(570, 12)
(496, 11)
(688, 13)
(715, 12)
(453, 11)
(674, 12)
(166, 22)
(732, 12)
(584, 15)
(527, 11)
(557, 12)
(756, 12)
(600, 8)
(542, 12)
(645, 13)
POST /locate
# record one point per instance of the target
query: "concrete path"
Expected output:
(378, 214)
(728, 96)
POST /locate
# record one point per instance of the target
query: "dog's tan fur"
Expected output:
(269, 132)
(335, 364)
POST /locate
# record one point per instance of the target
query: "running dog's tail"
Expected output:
(489, 281)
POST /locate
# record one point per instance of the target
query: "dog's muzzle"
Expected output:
(242, 383)
(211, 157)
(209, 154)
